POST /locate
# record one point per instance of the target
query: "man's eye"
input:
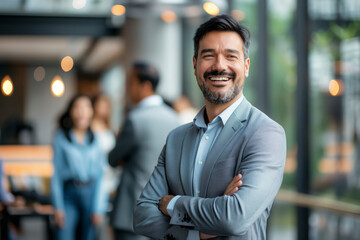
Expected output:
(208, 56)
(231, 56)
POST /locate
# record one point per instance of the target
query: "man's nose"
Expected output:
(220, 64)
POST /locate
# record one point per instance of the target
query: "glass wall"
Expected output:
(334, 73)
(334, 68)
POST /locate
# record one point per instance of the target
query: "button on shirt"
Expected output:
(206, 137)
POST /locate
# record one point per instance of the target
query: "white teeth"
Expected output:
(219, 78)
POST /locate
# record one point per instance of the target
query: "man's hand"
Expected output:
(163, 203)
(234, 185)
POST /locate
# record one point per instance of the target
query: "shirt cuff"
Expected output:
(171, 205)
(193, 235)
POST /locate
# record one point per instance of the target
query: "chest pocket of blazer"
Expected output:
(221, 175)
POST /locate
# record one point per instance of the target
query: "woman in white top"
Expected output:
(101, 127)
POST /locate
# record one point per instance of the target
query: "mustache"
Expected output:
(217, 73)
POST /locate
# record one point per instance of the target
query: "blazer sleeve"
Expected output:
(262, 166)
(125, 144)
(148, 219)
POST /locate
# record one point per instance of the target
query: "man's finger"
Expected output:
(234, 182)
(236, 179)
(230, 191)
(234, 185)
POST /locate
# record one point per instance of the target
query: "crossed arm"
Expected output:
(147, 211)
(232, 188)
(229, 215)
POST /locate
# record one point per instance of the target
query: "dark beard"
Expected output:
(218, 98)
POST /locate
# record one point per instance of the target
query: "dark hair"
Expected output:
(65, 121)
(222, 23)
(147, 72)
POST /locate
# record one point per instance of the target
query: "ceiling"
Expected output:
(35, 49)
(47, 30)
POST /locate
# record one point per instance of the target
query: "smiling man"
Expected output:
(218, 176)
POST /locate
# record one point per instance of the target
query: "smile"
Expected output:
(219, 78)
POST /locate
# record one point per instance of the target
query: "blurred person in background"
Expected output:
(185, 109)
(78, 166)
(139, 144)
(101, 127)
(101, 122)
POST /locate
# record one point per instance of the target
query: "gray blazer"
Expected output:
(139, 145)
(250, 143)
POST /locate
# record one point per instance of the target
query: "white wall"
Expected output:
(150, 39)
(42, 109)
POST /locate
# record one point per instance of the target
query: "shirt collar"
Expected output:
(154, 100)
(224, 116)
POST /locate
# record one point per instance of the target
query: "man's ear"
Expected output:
(247, 67)
(194, 64)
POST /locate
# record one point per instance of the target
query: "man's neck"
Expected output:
(213, 110)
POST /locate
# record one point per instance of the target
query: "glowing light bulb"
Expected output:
(57, 86)
(67, 63)
(335, 87)
(7, 86)
(118, 10)
(211, 8)
(168, 16)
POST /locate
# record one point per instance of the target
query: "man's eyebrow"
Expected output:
(206, 50)
(232, 51)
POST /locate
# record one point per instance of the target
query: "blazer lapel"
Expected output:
(234, 124)
(188, 152)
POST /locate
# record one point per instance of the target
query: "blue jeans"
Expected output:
(78, 206)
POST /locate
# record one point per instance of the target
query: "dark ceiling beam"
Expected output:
(91, 26)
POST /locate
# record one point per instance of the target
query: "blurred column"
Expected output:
(263, 86)
(302, 109)
(158, 42)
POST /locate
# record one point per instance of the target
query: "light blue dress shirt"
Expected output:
(206, 138)
(75, 161)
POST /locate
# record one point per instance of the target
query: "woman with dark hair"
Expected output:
(78, 165)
